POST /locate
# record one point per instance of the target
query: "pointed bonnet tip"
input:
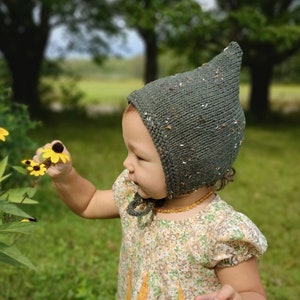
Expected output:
(235, 49)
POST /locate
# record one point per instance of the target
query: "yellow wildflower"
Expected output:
(36, 169)
(3, 134)
(55, 153)
(28, 162)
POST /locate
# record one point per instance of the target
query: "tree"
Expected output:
(269, 33)
(267, 30)
(153, 20)
(25, 27)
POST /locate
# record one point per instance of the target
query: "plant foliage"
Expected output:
(14, 221)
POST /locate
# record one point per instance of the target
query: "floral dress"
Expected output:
(167, 259)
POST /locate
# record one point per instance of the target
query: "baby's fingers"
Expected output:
(38, 157)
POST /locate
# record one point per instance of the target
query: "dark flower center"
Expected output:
(58, 147)
(36, 168)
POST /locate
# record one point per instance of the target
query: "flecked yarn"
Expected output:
(195, 120)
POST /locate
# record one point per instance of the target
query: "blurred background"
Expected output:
(66, 68)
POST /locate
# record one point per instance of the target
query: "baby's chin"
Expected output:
(142, 194)
(146, 196)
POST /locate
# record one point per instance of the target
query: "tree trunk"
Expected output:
(259, 95)
(25, 81)
(151, 63)
(23, 40)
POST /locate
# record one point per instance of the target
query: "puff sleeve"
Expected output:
(234, 238)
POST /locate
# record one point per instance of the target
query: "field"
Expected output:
(78, 259)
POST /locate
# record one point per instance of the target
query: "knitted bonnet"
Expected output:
(195, 120)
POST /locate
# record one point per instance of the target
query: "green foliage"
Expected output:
(14, 221)
(113, 68)
(85, 23)
(15, 118)
(65, 87)
(256, 27)
(4, 74)
(288, 71)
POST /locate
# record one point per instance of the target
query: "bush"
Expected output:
(14, 221)
(15, 118)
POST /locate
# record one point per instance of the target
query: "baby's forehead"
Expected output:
(129, 108)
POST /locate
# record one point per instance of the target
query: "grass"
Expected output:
(113, 92)
(282, 96)
(78, 259)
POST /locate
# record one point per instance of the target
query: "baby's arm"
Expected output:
(241, 282)
(78, 193)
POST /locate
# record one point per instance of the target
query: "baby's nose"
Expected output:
(127, 165)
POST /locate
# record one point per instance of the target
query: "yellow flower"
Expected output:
(36, 169)
(55, 153)
(3, 134)
(28, 220)
(28, 162)
(25, 220)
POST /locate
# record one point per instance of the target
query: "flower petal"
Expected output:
(3, 134)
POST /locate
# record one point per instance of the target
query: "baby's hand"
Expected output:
(56, 158)
(227, 292)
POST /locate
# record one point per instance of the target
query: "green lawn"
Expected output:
(107, 91)
(78, 259)
(114, 92)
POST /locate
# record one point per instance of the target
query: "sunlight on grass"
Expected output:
(280, 95)
(112, 92)
(115, 92)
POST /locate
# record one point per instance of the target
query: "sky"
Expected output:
(132, 47)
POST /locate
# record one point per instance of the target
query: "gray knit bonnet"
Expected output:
(195, 120)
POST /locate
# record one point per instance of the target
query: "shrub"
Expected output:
(15, 118)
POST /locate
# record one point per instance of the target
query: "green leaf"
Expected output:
(4, 177)
(11, 231)
(11, 208)
(20, 170)
(11, 255)
(18, 227)
(26, 201)
(8, 239)
(3, 165)
(18, 195)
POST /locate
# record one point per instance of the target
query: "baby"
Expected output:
(180, 240)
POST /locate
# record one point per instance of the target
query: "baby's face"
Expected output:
(143, 161)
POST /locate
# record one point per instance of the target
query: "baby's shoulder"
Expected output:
(223, 215)
(231, 224)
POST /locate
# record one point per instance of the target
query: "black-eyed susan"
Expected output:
(3, 134)
(27, 162)
(55, 153)
(36, 169)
